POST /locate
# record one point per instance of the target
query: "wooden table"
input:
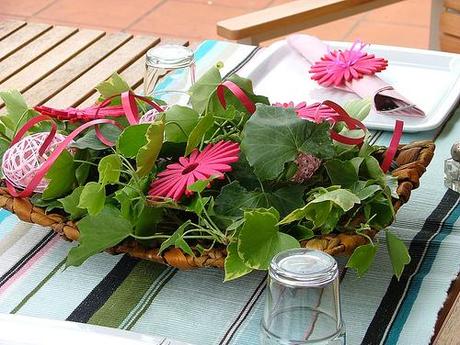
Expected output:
(60, 66)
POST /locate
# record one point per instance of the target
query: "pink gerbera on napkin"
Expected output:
(214, 160)
(337, 67)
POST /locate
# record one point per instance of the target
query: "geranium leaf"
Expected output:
(362, 258)
(234, 266)
(399, 255)
(234, 199)
(97, 233)
(180, 121)
(61, 177)
(260, 239)
(194, 139)
(115, 85)
(274, 136)
(70, 204)
(342, 173)
(203, 88)
(148, 154)
(109, 169)
(132, 139)
(92, 198)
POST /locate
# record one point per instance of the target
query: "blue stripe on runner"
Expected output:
(415, 286)
(4, 214)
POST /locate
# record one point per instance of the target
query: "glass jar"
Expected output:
(170, 72)
(302, 300)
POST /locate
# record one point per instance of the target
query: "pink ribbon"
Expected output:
(239, 94)
(393, 147)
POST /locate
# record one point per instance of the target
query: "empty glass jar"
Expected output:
(170, 72)
(302, 301)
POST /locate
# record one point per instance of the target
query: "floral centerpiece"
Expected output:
(232, 174)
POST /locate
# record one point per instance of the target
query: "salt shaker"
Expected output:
(452, 169)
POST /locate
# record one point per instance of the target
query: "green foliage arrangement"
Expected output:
(262, 206)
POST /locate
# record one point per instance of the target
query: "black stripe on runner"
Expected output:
(29, 255)
(244, 312)
(102, 292)
(242, 63)
(389, 304)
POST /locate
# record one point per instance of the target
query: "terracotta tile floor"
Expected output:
(402, 24)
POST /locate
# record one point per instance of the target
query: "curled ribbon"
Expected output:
(239, 94)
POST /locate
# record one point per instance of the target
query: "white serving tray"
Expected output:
(430, 79)
(25, 330)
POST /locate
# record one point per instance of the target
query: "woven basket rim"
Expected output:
(412, 160)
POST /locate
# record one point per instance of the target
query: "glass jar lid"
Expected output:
(303, 267)
(169, 56)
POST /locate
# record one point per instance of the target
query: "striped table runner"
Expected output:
(198, 308)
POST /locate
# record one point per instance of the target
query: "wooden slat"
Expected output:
(82, 87)
(73, 69)
(453, 4)
(52, 60)
(134, 75)
(447, 331)
(34, 50)
(450, 43)
(293, 16)
(450, 23)
(7, 27)
(21, 37)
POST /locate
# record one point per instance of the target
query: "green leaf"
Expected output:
(371, 169)
(176, 239)
(259, 239)
(200, 185)
(97, 233)
(115, 85)
(358, 108)
(61, 177)
(364, 191)
(109, 169)
(301, 232)
(91, 141)
(70, 204)
(362, 258)
(148, 154)
(274, 136)
(92, 198)
(198, 204)
(342, 173)
(234, 266)
(147, 219)
(4, 145)
(194, 139)
(180, 122)
(399, 255)
(203, 88)
(234, 199)
(341, 197)
(17, 109)
(381, 211)
(132, 139)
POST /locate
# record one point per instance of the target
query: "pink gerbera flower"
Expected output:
(214, 160)
(316, 112)
(338, 67)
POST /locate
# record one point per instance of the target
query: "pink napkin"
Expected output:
(385, 99)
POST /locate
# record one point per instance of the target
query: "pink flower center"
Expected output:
(189, 168)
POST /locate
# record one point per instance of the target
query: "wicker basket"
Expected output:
(412, 160)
